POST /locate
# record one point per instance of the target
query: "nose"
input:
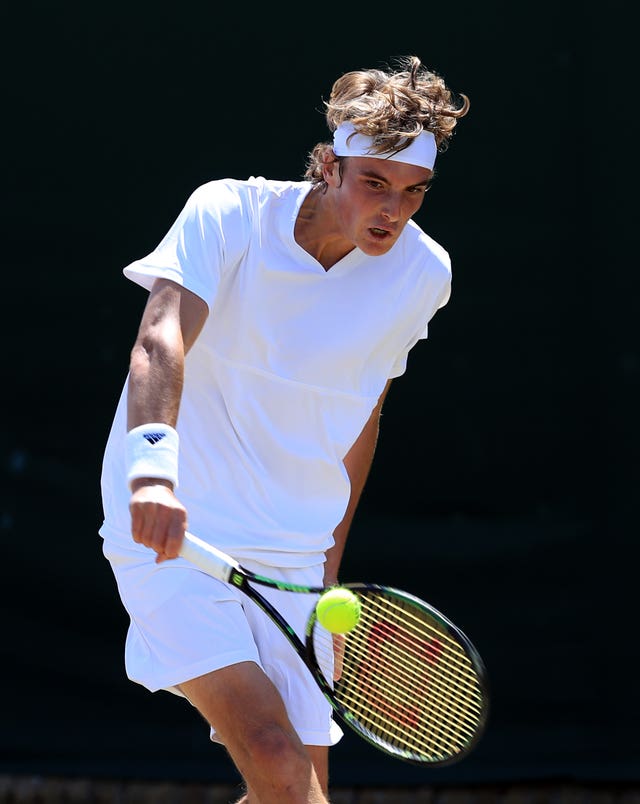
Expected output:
(391, 208)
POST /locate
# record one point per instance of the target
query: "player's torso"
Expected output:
(280, 312)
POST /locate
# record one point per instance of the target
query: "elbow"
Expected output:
(140, 357)
(151, 355)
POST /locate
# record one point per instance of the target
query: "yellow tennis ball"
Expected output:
(338, 610)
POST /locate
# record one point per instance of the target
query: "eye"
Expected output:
(374, 184)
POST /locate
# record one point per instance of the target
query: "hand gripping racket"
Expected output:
(410, 682)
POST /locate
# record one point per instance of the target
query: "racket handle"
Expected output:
(207, 558)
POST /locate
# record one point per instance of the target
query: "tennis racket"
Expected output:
(410, 682)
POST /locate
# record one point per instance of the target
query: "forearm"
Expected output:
(156, 379)
(170, 324)
(358, 463)
(335, 553)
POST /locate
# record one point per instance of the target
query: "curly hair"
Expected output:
(392, 107)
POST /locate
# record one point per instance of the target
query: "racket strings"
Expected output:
(395, 697)
(448, 666)
(403, 704)
(404, 679)
(448, 673)
(402, 718)
(391, 721)
(411, 714)
(410, 679)
(420, 627)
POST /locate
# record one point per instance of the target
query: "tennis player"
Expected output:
(278, 314)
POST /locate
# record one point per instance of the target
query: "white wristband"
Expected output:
(152, 451)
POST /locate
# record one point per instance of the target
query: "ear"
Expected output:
(331, 169)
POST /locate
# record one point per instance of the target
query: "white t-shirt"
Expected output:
(288, 367)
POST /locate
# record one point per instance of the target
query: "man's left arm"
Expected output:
(358, 464)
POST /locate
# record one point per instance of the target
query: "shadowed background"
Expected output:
(507, 464)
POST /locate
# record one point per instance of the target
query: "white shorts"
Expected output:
(185, 624)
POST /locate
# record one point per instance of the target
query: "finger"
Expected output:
(159, 525)
(338, 655)
(175, 534)
(138, 522)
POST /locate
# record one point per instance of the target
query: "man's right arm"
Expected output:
(171, 322)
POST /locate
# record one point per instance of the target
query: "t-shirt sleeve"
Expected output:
(209, 237)
(438, 295)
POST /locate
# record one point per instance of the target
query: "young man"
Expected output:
(278, 314)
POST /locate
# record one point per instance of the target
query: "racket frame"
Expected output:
(356, 725)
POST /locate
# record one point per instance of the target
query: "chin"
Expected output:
(376, 249)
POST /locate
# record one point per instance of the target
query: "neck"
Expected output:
(317, 232)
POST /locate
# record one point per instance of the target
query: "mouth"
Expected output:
(379, 234)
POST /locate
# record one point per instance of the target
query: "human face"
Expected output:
(374, 199)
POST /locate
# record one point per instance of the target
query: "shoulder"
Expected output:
(425, 252)
(228, 194)
(221, 194)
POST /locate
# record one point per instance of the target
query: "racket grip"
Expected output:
(207, 558)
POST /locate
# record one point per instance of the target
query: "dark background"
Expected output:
(507, 465)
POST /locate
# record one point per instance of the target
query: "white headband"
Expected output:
(422, 151)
